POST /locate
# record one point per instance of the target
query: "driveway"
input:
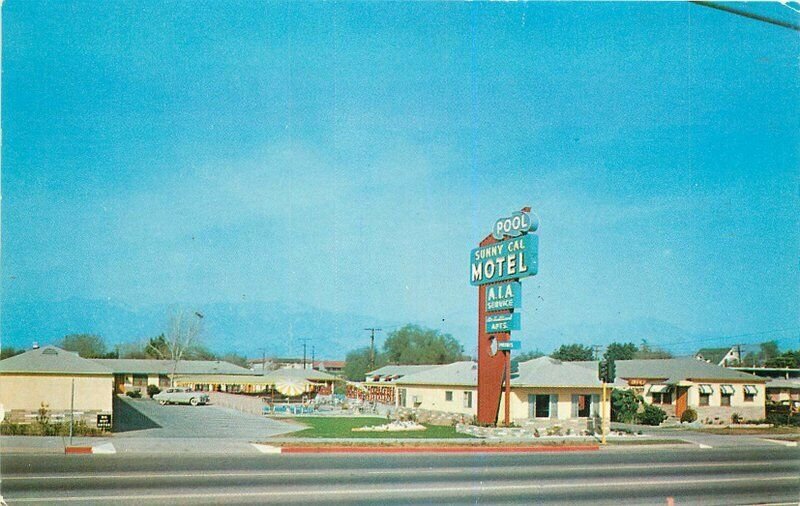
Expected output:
(146, 418)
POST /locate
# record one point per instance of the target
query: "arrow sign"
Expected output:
(502, 322)
(508, 345)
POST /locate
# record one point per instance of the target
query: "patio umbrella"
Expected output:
(290, 386)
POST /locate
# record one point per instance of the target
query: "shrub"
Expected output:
(79, 428)
(134, 394)
(624, 405)
(783, 419)
(689, 416)
(736, 418)
(152, 390)
(651, 415)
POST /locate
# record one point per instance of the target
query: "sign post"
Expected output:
(605, 415)
(501, 259)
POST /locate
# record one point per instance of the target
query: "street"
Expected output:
(768, 475)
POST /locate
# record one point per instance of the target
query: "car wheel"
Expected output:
(193, 401)
(163, 403)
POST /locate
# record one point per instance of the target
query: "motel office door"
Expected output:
(681, 393)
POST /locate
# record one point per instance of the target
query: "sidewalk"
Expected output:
(57, 445)
(151, 445)
(699, 438)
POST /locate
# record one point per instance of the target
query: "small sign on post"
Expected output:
(508, 345)
(104, 421)
(505, 322)
(504, 296)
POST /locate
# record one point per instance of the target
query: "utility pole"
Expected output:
(312, 357)
(305, 341)
(596, 351)
(372, 347)
(263, 361)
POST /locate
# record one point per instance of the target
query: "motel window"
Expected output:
(750, 392)
(467, 399)
(726, 392)
(448, 395)
(705, 394)
(140, 380)
(542, 406)
(662, 398)
(582, 406)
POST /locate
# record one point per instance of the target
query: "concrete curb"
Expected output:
(77, 449)
(105, 448)
(438, 449)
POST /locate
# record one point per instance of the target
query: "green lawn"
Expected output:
(335, 427)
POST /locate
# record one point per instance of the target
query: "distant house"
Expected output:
(720, 356)
(58, 379)
(136, 374)
(329, 366)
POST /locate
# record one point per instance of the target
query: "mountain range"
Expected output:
(279, 327)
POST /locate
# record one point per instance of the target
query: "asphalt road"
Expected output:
(688, 476)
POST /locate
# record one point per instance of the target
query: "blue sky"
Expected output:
(348, 157)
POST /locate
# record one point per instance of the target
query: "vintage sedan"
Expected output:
(176, 395)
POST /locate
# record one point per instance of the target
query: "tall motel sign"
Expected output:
(501, 260)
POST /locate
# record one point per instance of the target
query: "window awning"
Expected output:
(750, 389)
(706, 389)
(660, 389)
(726, 389)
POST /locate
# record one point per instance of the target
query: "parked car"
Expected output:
(178, 395)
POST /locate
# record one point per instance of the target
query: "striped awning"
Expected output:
(706, 389)
(660, 389)
(750, 389)
(726, 389)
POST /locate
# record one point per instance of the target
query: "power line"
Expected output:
(747, 14)
(736, 336)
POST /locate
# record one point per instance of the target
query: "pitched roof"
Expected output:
(673, 370)
(51, 360)
(155, 366)
(713, 355)
(457, 373)
(539, 372)
(550, 372)
(300, 374)
(783, 383)
(399, 370)
(258, 379)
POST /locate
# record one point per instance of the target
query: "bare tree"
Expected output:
(183, 332)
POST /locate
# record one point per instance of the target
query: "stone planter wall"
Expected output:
(431, 417)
